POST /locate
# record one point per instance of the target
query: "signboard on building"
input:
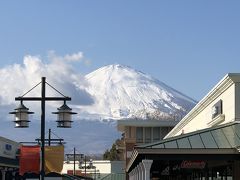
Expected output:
(193, 164)
(8, 148)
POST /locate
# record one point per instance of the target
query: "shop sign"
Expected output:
(8, 149)
(193, 164)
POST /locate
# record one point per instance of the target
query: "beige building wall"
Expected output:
(200, 117)
(237, 101)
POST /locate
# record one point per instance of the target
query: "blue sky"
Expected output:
(189, 45)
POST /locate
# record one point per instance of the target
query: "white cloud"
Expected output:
(75, 57)
(17, 79)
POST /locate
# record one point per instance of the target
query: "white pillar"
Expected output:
(147, 166)
(142, 171)
(139, 172)
(134, 174)
(3, 174)
(130, 175)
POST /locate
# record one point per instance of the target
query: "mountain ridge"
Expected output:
(120, 91)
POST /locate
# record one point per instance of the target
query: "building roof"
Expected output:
(145, 123)
(3, 139)
(219, 140)
(120, 176)
(8, 162)
(222, 136)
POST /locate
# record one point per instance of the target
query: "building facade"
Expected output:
(221, 105)
(205, 144)
(9, 164)
(95, 169)
(138, 132)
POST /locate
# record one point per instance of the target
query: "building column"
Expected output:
(147, 166)
(130, 176)
(136, 173)
(142, 171)
(139, 172)
(3, 174)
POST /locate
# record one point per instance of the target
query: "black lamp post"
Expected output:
(21, 115)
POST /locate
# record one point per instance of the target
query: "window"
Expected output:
(139, 135)
(163, 132)
(129, 132)
(156, 134)
(148, 135)
(217, 109)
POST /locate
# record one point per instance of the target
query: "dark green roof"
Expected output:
(120, 176)
(222, 136)
(8, 162)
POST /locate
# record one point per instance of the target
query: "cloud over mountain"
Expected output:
(110, 93)
(17, 79)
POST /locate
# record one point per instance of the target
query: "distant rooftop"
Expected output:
(144, 123)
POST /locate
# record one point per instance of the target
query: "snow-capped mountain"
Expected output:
(111, 92)
(121, 92)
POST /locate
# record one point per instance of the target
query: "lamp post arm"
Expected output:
(40, 98)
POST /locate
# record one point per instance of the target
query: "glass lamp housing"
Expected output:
(64, 116)
(21, 116)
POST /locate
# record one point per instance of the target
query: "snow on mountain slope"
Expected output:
(122, 92)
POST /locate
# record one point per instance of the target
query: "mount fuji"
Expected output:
(100, 98)
(121, 92)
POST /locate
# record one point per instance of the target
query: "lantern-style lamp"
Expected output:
(21, 116)
(64, 119)
(67, 159)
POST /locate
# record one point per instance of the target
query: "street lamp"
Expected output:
(64, 116)
(83, 160)
(21, 116)
(22, 119)
(75, 156)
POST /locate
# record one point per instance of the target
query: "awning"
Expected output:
(221, 141)
(7, 162)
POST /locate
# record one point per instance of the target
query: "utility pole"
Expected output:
(49, 137)
(74, 158)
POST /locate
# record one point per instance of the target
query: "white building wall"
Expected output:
(102, 166)
(8, 148)
(200, 117)
(237, 101)
(203, 119)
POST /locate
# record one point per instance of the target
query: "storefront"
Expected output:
(9, 163)
(205, 154)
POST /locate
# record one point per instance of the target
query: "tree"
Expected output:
(114, 154)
